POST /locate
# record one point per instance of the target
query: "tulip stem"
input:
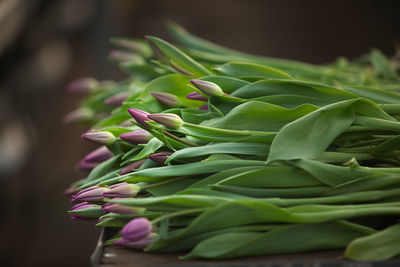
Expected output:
(163, 182)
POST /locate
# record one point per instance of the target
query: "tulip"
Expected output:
(140, 116)
(169, 120)
(203, 107)
(131, 166)
(122, 190)
(169, 100)
(85, 211)
(136, 229)
(196, 96)
(98, 155)
(103, 137)
(136, 137)
(83, 85)
(121, 209)
(117, 99)
(209, 88)
(93, 193)
(137, 244)
(87, 166)
(160, 157)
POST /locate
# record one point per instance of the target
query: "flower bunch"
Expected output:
(262, 155)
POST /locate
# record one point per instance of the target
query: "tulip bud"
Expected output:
(83, 85)
(85, 211)
(131, 166)
(160, 157)
(103, 137)
(140, 116)
(136, 229)
(87, 166)
(169, 120)
(196, 96)
(136, 137)
(93, 193)
(169, 100)
(117, 99)
(121, 209)
(122, 190)
(70, 191)
(203, 107)
(209, 88)
(137, 244)
(78, 115)
(98, 155)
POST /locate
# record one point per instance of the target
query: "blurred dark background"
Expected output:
(46, 43)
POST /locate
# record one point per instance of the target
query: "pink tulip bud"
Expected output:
(83, 85)
(140, 116)
(136, 137)
(209, 88)
(98, 155)
(196, 96)
(117, 99)
(137, 244)
(169, 100)
(169, 120)
(103, 137)
(85, 211)
(136, 229)
(131, 167)
(122, 190)
(93, 193)
(160, 157)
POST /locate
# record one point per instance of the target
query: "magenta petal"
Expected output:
(140, 116)
(136, 229)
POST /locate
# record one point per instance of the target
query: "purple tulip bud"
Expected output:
(122, 190)
(78, 115)
(82, 206)
(98, 155)
(136, 229)
(93, 193)
(121, 209)
(140, 116)
(169, 120)
(131, 167)
(103, 137)
(137, 244)
(203, 107)
(83, 85)
(169, 100)
(70, 191)
(136, 137)
(160, 157)
(122, 56)
(196, 96)
(117, 99)
(87, 166)
(208, 88)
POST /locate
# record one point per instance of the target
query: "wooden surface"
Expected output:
(112, 257)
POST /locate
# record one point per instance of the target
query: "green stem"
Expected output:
(176, 214)
(163, 182)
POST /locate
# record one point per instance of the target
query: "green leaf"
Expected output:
(244, 69)
(378, 246)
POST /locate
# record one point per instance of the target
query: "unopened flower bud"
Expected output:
(196, 96)
(209, 88)
(98, 155)
(85, 211)
(122, 190)
(137, 244)
(103, 137)
(131, 167)
(121, 209)
(169, 100)
(117, 99)
(93, 193)
(86, 166)
(136, 137)
(169, 120)
(136, 229)
(140, 116)
(160, 157)
(203, 107)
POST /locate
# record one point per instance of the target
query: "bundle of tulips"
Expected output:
(221, 154)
